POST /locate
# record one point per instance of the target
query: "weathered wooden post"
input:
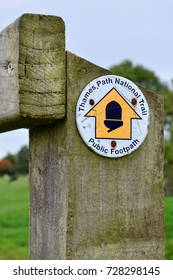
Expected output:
(84, 203)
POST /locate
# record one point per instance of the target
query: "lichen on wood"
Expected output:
(33, 92)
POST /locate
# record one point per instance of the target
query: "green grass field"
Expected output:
(14, 210)
(169, 227)
(14, 213)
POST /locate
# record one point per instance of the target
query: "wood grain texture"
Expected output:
(115, 206)
(34, 91)
(85, 206)
(48, 192)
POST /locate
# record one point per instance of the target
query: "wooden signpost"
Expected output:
(82, 205)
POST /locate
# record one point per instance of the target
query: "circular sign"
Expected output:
(112, 116)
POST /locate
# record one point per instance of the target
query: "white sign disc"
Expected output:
(112, 116)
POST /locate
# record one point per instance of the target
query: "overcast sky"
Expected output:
(104, 32)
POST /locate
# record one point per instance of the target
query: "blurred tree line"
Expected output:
(15, 164)
(142, 76)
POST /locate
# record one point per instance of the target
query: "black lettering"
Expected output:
(98, 83)
(70, 271)
(81, 109)
(135, 142)
(50, 272)
(60, 271)
(97, 146)
(91, 140)
(40, 272)
(86, 95)
(15, 271)
(125, 149)
(117, 80)
(141, 102)
(82, 104)
(55, 271)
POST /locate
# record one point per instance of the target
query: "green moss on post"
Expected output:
(115, 206)
(92, 207)
(32, 72)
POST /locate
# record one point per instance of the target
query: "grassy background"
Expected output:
(169, 227)
(14, 210)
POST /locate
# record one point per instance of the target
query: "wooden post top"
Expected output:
(32, 72)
